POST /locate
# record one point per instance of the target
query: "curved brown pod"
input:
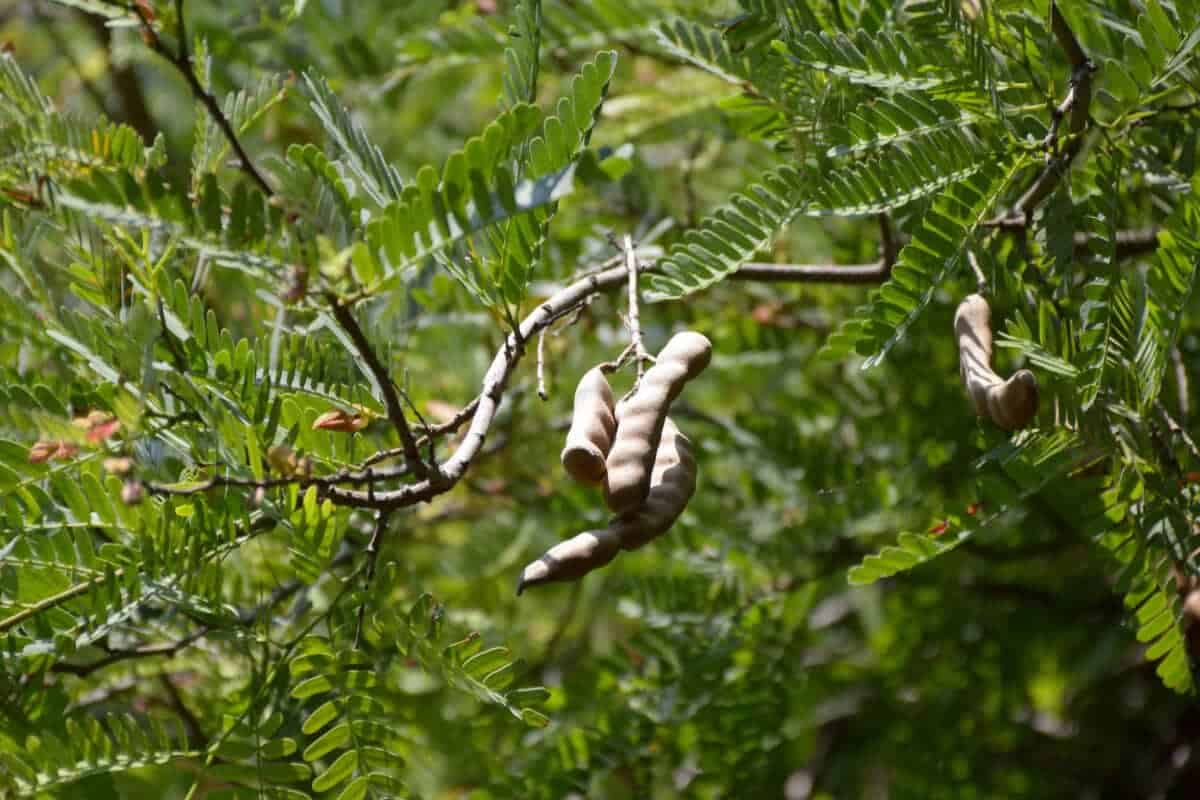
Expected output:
(572, 559)
(672, 486)
(1011, 404)
(640, 419)
(592, 428)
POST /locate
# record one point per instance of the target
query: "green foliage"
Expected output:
(203, 594)
(731, 235)
(243, 109)
(361, 158)
(937, 251)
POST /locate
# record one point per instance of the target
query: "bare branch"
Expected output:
(381, 521)
(889, 246)
(391, 399)
(981, 283)
(1077, 103)
(167, 649)
(197, 739)
(182, 61)
(541, 366)
(635, 323)
(812, 273)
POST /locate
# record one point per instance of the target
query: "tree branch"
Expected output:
(635, 323)
(1077, 103)
(558, 305)
(889, 246)
(131, 98)
(381, 521)
(391, 399)
(167, 649)
(182, 61)
(481, 411)
(813, 273)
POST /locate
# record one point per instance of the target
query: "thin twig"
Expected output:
(541, 366)
(431, 432)
(981, 284)
(635, 323)
(1178, 430)
(1181, 384)
(125, 82)
(381, 520)
(889, 246)
(558, 305)
(63, 46)
(182, 62)
(1077, 103)
(167, 649)
(609, 367)
(391, 400)
(812, 273)
(197, 739)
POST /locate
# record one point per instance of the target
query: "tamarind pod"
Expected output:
(572, 559)
(1014, 403)
(1011, 404)
(592, 428)
(640, 419)
(672, 485)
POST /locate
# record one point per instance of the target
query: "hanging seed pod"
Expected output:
(673, 483)
(1011, 404)
(592, 428)
(640, 419)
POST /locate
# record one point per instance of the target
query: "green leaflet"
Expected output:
(938, 249)
(731, 235)
(705, 48)
(1148, 584)
(1157, 58)
(896, 120)
(1035, 464)
(901, 174)
(243, 108)
(478, 189)
(882, 60)
(122, 743)
(521, 57)
(1170, 283)
(362, 157)
(910, 550)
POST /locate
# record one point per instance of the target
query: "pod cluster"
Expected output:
(1011, 404)
(636, 453)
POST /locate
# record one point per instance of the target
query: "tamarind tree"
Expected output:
(283, 283)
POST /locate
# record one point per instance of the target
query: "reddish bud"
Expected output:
(102, 431)
(41, 452)
(118, 466)
(132, 493)
(339, 420)
(297, 284)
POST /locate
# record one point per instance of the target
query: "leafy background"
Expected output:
(873, 593)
